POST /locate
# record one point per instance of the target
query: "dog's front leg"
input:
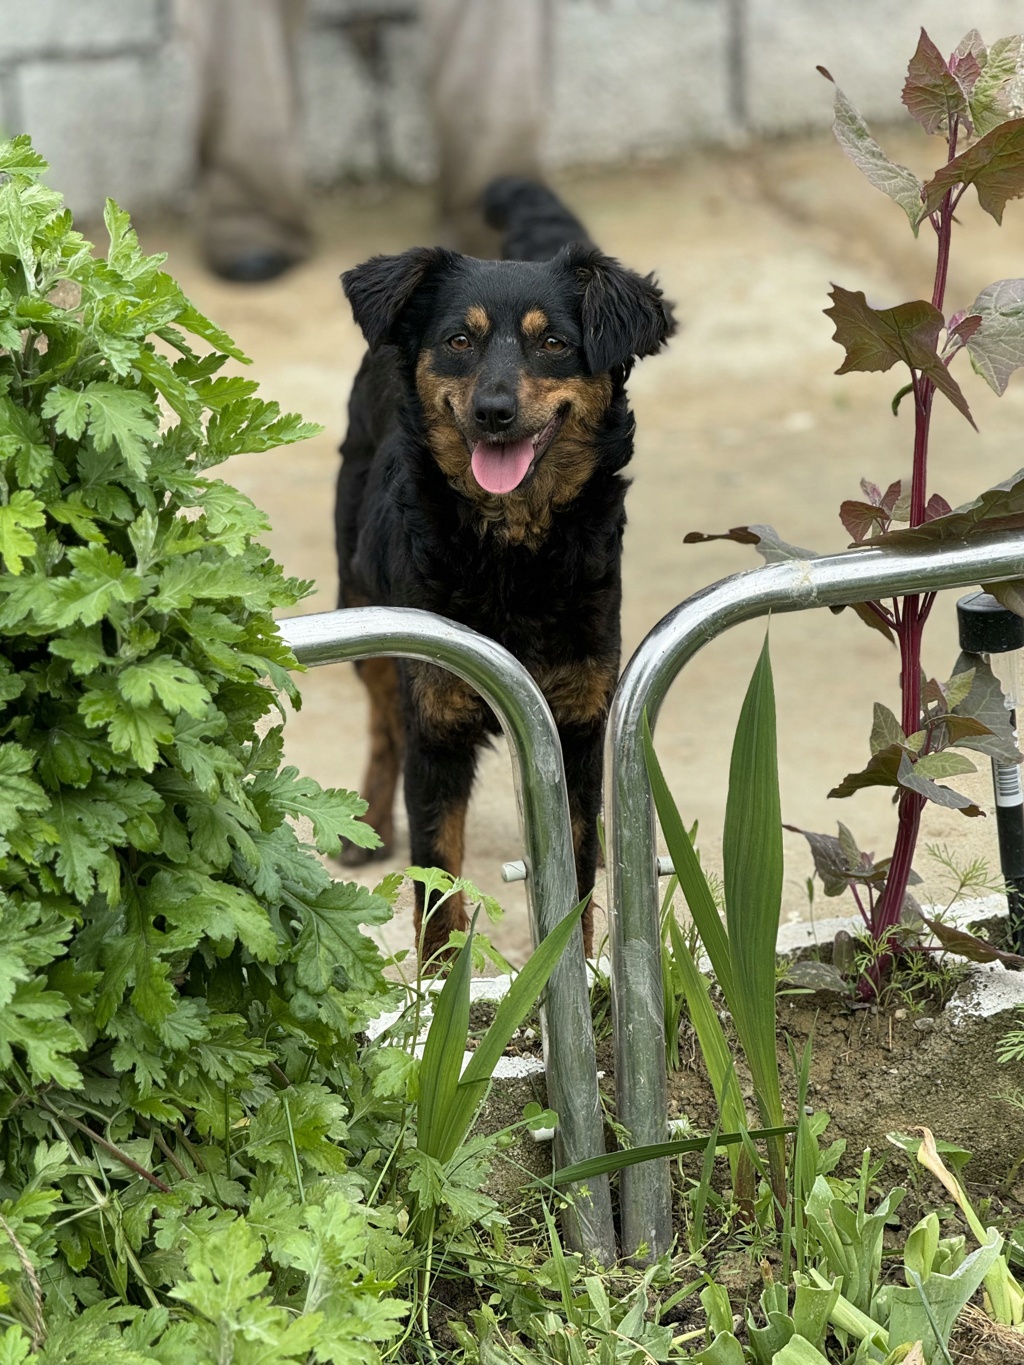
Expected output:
(445, 725)
(582, 755)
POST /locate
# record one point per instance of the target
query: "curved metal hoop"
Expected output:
(634, 929)
(517, 701)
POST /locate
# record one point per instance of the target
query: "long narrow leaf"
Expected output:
(711, 1037)
(752, 865)
(523, 994)
(443, 1051)
(689, 871)
(632, 1156)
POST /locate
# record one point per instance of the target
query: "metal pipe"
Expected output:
(518, 703)
(634, 930)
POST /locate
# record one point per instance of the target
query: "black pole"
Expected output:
(987, 627)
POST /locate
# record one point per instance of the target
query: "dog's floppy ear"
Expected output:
(624, 315)
(383, 288)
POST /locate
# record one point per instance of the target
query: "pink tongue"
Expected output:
(499, 469)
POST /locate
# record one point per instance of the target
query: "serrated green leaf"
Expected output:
(176, 686)
(23, 514)
(333, 814)
(331, 940)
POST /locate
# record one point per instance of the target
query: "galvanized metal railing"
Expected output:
(633, 903)
(524, 716)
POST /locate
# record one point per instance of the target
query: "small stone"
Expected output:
(924, 1025)
(529, 1034)
(899, 1015)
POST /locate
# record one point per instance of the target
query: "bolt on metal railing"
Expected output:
(524, 716)
(633, 905)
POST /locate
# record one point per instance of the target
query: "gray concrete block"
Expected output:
(341, 102)
(37, 28)
(122, 127)
(637, 78)
(866, 47)
(408, 144)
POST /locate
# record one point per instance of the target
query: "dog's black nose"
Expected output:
(495, 411)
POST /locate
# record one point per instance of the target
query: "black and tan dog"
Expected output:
(488, 426)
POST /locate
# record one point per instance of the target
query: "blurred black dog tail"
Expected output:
(535, 222)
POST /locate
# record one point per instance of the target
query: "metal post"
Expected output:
(634, 930)
(518, 703)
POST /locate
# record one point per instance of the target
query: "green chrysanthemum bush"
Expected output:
(181, 982)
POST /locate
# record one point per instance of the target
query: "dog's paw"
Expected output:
(351, 855)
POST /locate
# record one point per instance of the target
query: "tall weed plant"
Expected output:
(971, 100)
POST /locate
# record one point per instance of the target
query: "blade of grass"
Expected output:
(710, 1036)
(752, 865)
(443, 1051)
(687, 867)
(632, 1156)
(464, 1099)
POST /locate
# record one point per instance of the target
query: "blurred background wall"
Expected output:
(107, 89)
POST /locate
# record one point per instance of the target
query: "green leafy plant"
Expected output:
(968, 101)
(182, 984)
(742, 950)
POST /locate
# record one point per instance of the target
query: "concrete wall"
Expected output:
(107, 89)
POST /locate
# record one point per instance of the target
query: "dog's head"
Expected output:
(513, 360)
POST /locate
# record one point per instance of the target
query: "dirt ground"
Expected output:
(741, 420)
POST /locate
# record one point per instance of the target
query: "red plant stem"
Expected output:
(910, 626)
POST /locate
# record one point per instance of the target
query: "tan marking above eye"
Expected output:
(477, 319)
(534, 323)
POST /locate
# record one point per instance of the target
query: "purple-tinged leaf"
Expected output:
(876, 338)
(992, 99)
(774, 550)
(967, 61)
(898, 182)
(881, 771)
(901, 512)
(861, 519)
(871, 492)
(958, 688)
(944, 764)
(886, 731)
(967, 945)
(960, 728)
(997, 344)
(936, 506)
(765, 539)
(817, 976)
(1000, 508)
(836, 860)
(932, 94)
(830, 860)
(985, 703)
(959, 330)
(912, 780)
(994, 166)
(891, 496)
(870, 618)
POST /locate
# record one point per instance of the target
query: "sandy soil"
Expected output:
(742, 419)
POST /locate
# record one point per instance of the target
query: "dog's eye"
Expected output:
(460, 342)
(552, 345)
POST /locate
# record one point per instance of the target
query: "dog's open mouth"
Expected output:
(499, 467)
